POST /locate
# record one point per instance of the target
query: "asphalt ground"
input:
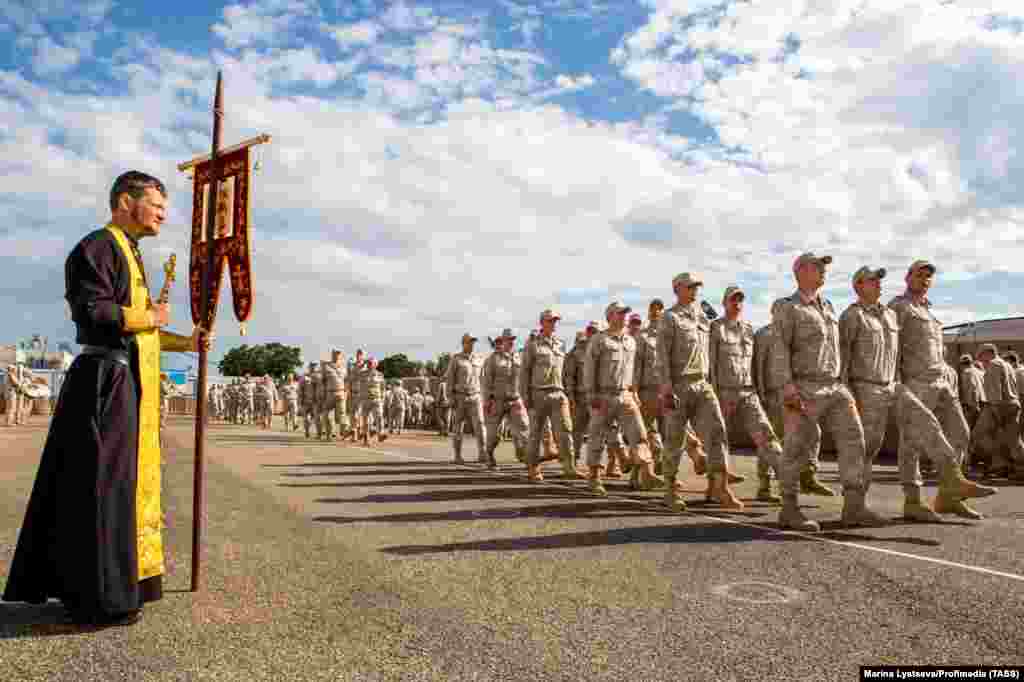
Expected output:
(339, 562)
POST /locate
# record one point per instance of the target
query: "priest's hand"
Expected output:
(202, 340)
(161, 315)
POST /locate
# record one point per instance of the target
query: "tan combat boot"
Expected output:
(764, 491)
(674, 494)
(916, 509)
(810, 485)
(644, 478)
(791, 518)
(722, 493)
(569, 470)
(856, 512)
(952, 491)
(594, 483)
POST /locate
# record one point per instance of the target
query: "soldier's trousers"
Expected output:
(621, 407)
(372, 412)
(549, 406)
(444, 418)
(697, 405)
(998, 434)
(652, 414)
(830, 404)
(397, 420)
(334, 415)
(774, 409)
(580, 422)
(514, 414)
(311, 416)
(751, 417)
(468, 409)
(943, 404)
(291, 414)
(415, 415)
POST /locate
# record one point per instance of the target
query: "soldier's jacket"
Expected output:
(1000, 383)
(442, 393)
(416, 399)
(359, 385)
(290, 391)
(249, 389)
(972, 387)
(543, 362)
(334, 377)
(269, 392)
(463, 375)
(806, 347)
(645, 369)
(683, 344)
(316, 387)
(572, 369)
(500, 377)
(922, 355)
(869, 341)
(609, 363)
(400, 399)
(374, 383)
(428, 401)
(731, 354)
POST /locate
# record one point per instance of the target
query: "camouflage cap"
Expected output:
(865, 272)
(468, 337)
(616, 307)
(1012, 356)
(918, 264)
(810, 257)
(988, 348)
(687, 279)
(635, 319)
(966, 359)
(550, 314)
(506, 333)
(731, 291)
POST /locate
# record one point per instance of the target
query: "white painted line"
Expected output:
(757, 592)
(735, 522)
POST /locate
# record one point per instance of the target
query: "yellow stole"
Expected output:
(148, 518)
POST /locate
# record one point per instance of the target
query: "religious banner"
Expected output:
(231, 240)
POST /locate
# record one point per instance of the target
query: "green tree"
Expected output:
(396, 366)
(274, 359)
(442, 363)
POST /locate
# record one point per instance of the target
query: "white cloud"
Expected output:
(358, 33)
(263, 21)
(51, 58)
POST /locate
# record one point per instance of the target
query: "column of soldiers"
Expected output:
(672, 386)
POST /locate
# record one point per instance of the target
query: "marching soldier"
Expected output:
(647, 378)
(463, 378)
(399, 407)
(610, 386)
(731, 350)
(334, 410)
(290, 395)
(682, 373)
(311, 411)
(807, 358)
(269, 401)
(540, 384)
(572, 379)
(923, 370)
(999, 424)
(444, 408)
(372, 408)
(499, 384)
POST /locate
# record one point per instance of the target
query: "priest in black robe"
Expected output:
(92, 531)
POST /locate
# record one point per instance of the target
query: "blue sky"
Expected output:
(450, 166)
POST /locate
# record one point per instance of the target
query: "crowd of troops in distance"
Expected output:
(630, 398)
(16, 390)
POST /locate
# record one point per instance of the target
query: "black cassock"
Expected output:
(78, 542)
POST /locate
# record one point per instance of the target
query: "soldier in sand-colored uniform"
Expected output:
(541, 387)
(807, 360)
(731, 351)
(334, 375)
(499, 384)
(372, 406)
(687, 396)
(290, 395)
(572, 380)
(998, 430)
(463, 378)
(610, 386)
(923, 371)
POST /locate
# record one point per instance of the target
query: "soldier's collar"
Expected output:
(925, 301)
(807, 300)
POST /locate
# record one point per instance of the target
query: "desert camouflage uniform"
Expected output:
(540, 384)
(333, 409)
(463, 377)
(998, 429)
(290, 395)
(372, 407)
(572, 379)
(645, 371)
(499, 383)
(608, 375)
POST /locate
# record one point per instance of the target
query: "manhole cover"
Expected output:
(757, 592)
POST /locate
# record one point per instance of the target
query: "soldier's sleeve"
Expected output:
(486, 377)
(526, 371)
(782, 349)
(849, 325)
(590, 368)
(713, 356)
(666, 337)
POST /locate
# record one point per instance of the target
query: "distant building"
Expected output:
(1006, 333)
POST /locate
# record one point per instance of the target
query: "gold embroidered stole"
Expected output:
(148, 517)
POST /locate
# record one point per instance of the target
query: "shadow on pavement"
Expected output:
(518, 493)
(562, 511)
(35, 620)
(346, 465)
(405, 482)
(370, 472)
(267, 440)
(688, 533)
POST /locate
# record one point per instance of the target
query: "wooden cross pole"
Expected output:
(229, 167)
